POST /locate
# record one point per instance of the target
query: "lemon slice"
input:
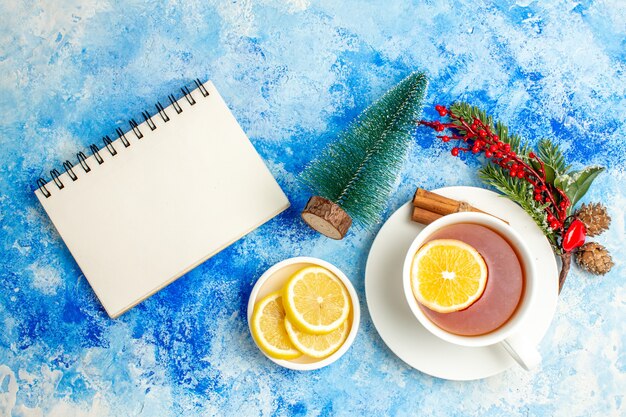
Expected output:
(268, 328)
(318, 345)
(316, 301)
(448, 275)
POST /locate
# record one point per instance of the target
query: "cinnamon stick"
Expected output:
(424, 216)
(440, 204)
(433, 203)
(434, 196)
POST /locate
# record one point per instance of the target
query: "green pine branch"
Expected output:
(557, 172)
(468, 113)
(520, 192)
(550, 154)
(359, 170)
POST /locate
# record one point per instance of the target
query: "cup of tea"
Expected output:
(498, 314)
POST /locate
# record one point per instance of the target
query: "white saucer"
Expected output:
(399, 328)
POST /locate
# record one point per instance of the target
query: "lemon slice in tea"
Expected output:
(448, 275)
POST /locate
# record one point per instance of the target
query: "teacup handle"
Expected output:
(524, 353)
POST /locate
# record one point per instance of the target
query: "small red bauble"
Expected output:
(575, 236)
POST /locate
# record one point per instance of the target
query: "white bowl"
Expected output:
(275, 278)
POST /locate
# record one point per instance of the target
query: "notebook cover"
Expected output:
(166, 203)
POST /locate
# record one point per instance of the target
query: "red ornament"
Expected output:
(575, 236)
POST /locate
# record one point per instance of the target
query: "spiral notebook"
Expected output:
(163, 197)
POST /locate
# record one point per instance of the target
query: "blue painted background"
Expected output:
(294, 72)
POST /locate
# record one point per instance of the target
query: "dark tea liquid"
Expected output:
(505, 283)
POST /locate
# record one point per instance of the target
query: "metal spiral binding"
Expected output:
(70, 172)
(135, 127)
(108, 143)
(175, 104)
(96, 154)
(122, 137)
(162, 113)
(148, 120)
(82, 159)
(55, 176)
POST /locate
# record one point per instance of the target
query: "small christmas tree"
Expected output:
(355, 175)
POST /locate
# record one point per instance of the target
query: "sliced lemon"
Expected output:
(318, 345)
(268, 328)
(316, 301)
(448, 275)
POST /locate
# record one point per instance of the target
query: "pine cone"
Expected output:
(595, 217)
(594, 257)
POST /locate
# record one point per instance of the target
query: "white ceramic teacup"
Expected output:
(509, 335)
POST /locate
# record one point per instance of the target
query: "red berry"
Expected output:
(512, 154)
(537, 197)
(555, 224)
(498, 154)
(438, 107)
(482, 133)
(543, 188)
(507, 147)
(475, 149)
(513, 173)
(495, 138)
(493, 148)
(445, 138)
(532, 155)
(439, 127)
(520, 174)
(443, 112)
(455, 151)
(488, 154)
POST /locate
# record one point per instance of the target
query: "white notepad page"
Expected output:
(165, 204)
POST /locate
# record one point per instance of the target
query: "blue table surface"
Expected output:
(294, 72)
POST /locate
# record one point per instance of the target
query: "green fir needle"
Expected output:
(359, 170)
